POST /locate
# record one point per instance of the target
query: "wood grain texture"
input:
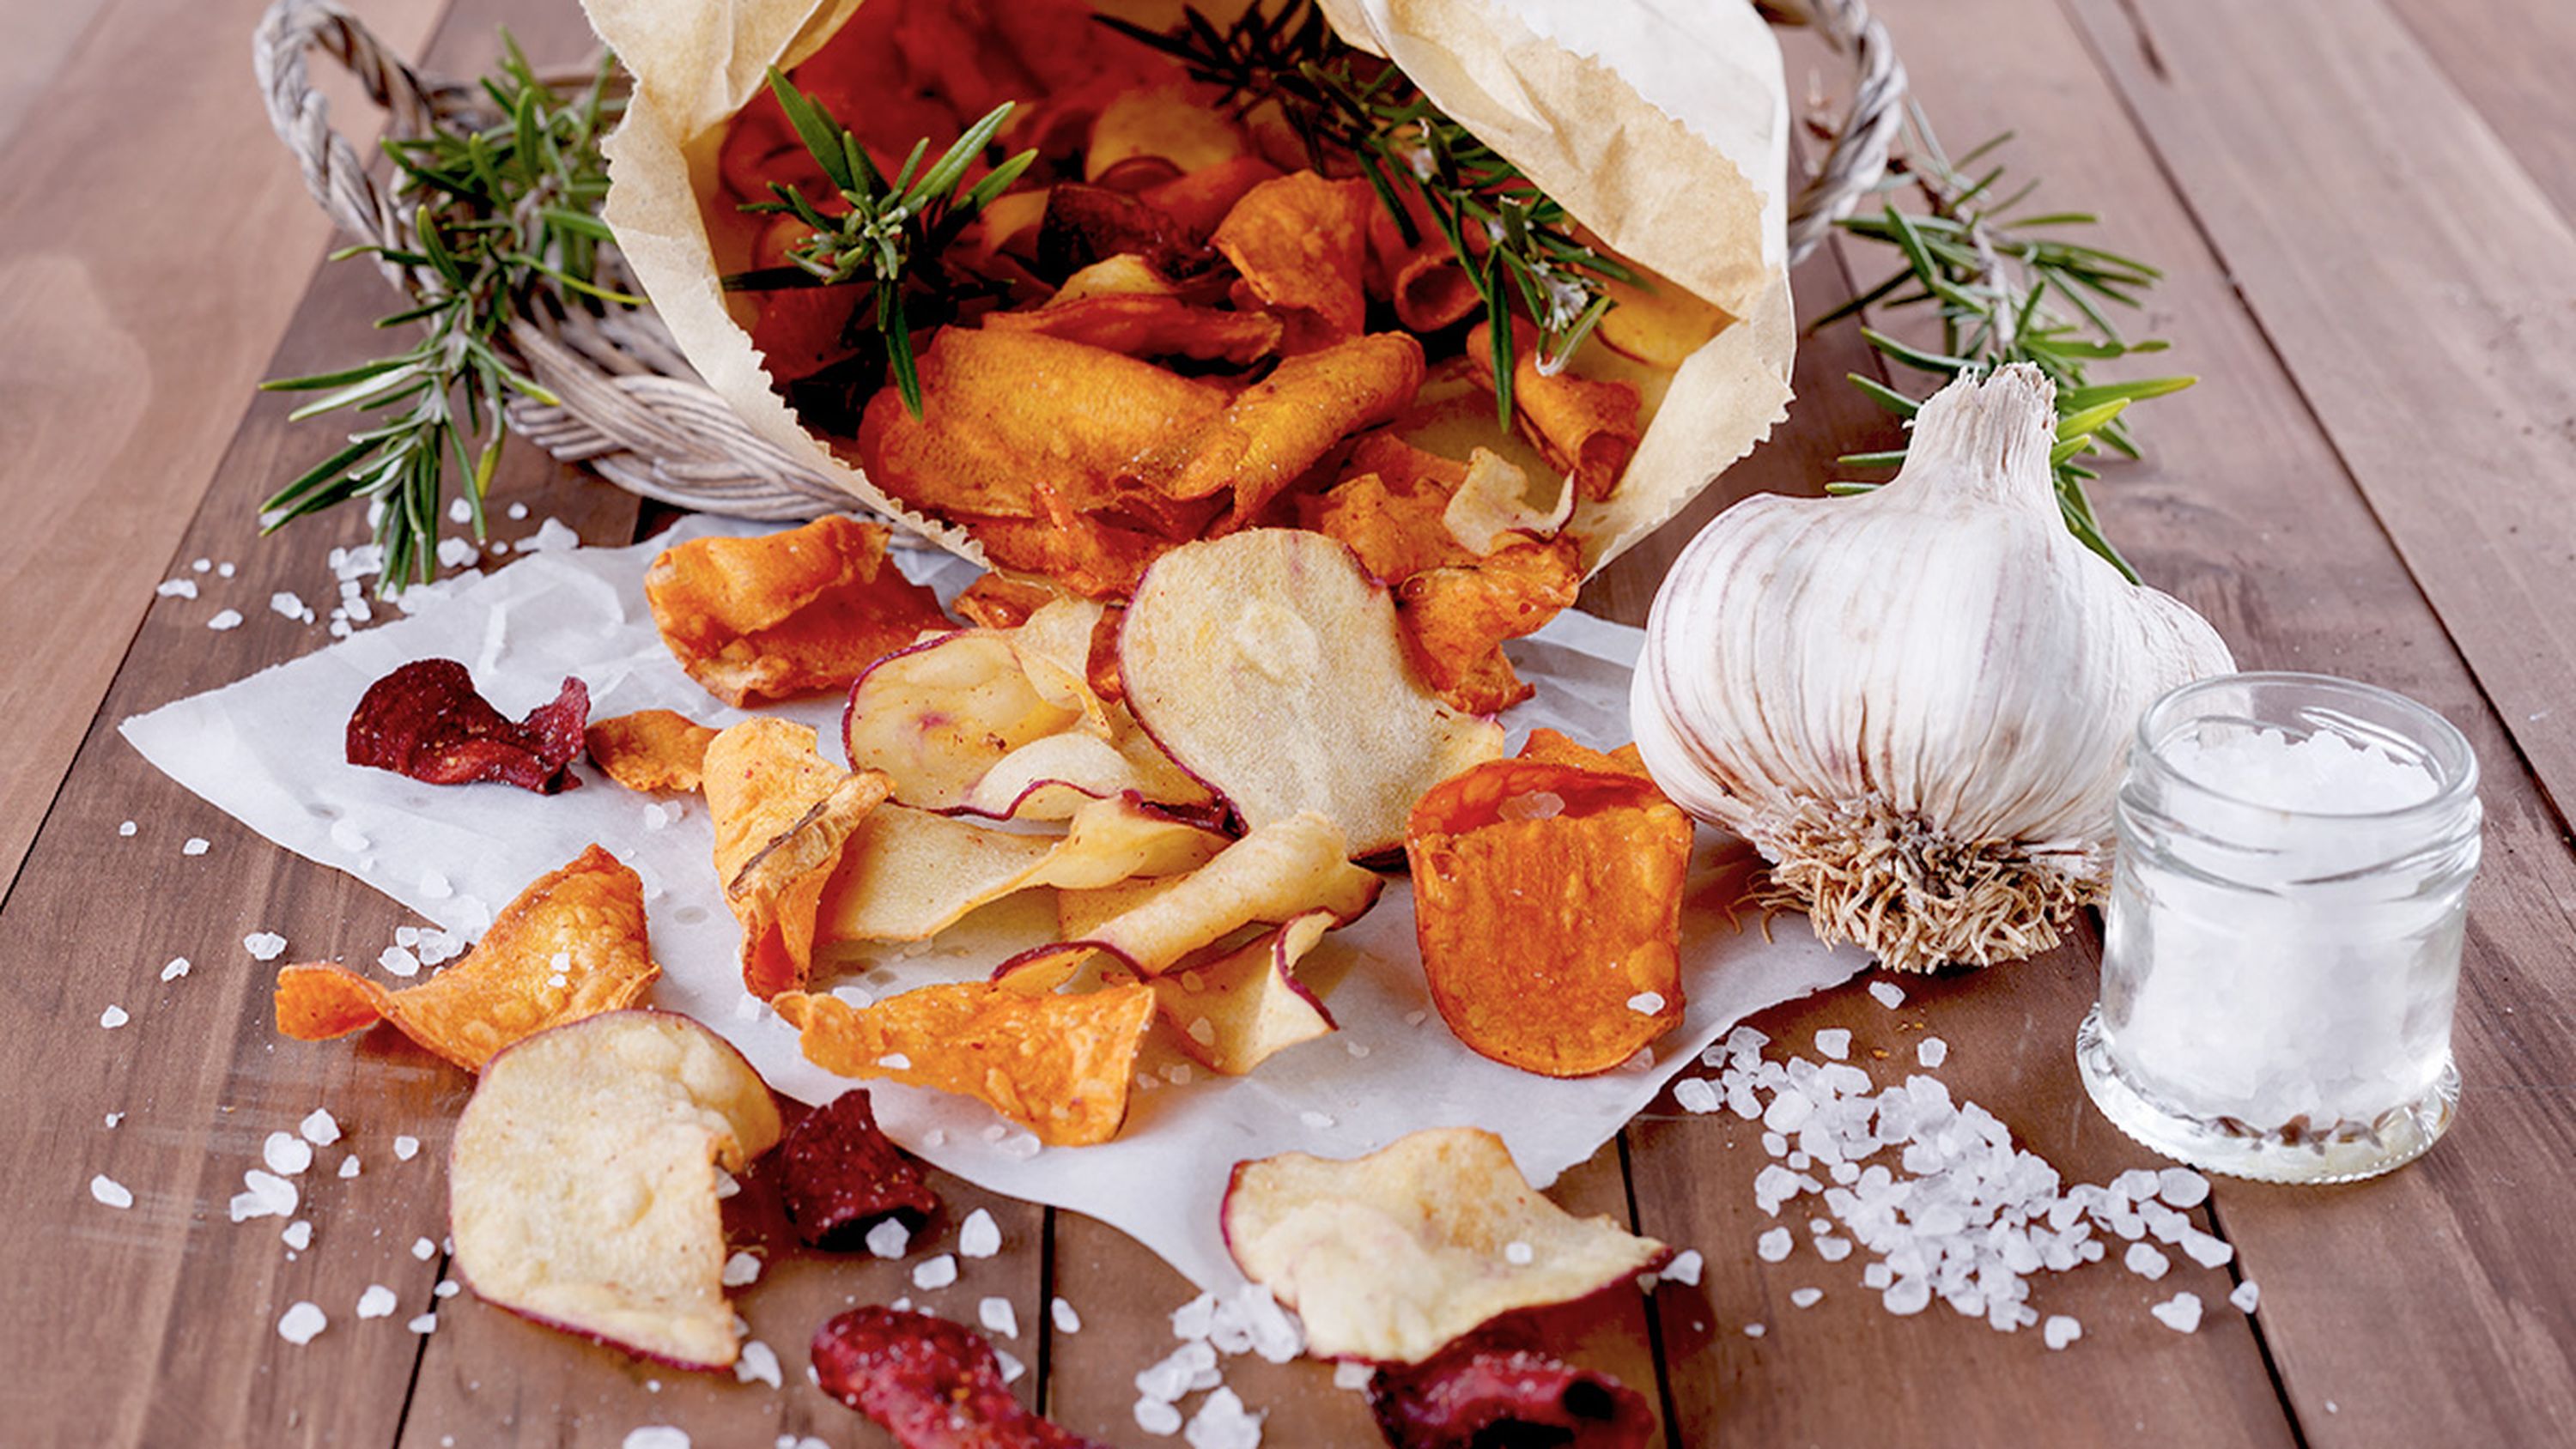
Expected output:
(2510, 59)
(149, 255)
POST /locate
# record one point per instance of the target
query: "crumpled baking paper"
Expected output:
(268, 751)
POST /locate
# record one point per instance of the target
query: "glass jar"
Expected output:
(2281, 949)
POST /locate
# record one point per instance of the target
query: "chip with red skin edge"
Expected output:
(1480, 1392)
(426, 721)
(838, 1175)
(931, 1383)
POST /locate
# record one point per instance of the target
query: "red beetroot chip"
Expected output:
(838, 1175)
(933, 1384)
(1471, 1395)
(426, 721)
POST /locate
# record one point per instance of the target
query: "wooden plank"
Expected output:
(2511, 59)
(2411, 275)
(40, 35)
(141, 289)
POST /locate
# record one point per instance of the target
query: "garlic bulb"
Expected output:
(1916, 703)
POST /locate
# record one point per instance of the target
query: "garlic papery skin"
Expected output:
(1916, 703)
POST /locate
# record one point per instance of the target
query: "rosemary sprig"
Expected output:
(894, 230)
(507, 220)
(1997, 276)
(1515, 244)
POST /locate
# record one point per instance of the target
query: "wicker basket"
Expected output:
(634, 410)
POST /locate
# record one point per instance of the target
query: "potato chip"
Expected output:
(1271, 667)
(571, 945)
(582, 1189)
(1300, 243)
(1180, 126)
(1456, 618)
(1473, 1394)
(907, 874)
(1057, 1065)
(930, 1383)
(425, 721)
(1199, 200)
(782, 816)
(1391, 1256)
(838, 1175)
(1492, 503)
(1276, 429)
(651, 749)
(1547, 901)
(1145, 326)
(998, 601)
(1239, 1010)
(784, 614)
(1585, 426)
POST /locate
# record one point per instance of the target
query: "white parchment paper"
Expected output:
(268, 750)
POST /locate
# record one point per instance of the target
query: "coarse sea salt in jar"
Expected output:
(2281, 949)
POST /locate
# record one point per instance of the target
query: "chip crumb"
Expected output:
(1065, 1319)
(319, 1127)
(223, 620)
(979, 1236)
(109, 1191)
(301, 1322)
(177, 968)
(740, 1269)
(936, 1272)
(406, 1148)
(377, 1302)
(998, 1316)
(112, 1018)
(196, 845)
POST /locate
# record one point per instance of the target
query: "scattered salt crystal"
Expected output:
(112, 1018)
(1065, 1319)
(426, 1323)
(740, 1269)
(937, 1272)
(2246, 1296)
(349, 837)
(301, 1323)
(889, 1238)
(1357, 1049)
(1887, 994)
(398, 962)
(1685, 1268)
(319, 1127)
(113, 1118)
(656, 1436)
(406, 1148)
(264, 945)
(1833, 1250)
(224, 570)
(1806, 1297)
(1348, 1375)
(1416, 1018)
(1931, 1052)
(1646, 1003)
(1178, 1074)
(1518, 1253)
(460, 511)
(1319, 1121)
(1694, 1094)
(201, 565)
(727, 1185)
(298, 1234)
(286, 1154)
(2146, 1262)
(979, 1236)
(448, 1287)
(125, 828)
(349, 1166)
(758, 1363)
(227, 619)
(2060, 1331)
(1223, 1423)
(377, 1302)
(550, 536)
(423, 1249)
(998, 1316)
(177, 589)
(1834, 1042)
(196, 845)
(111, 1192)
(2202, 1248)
(2182, 1187)
(1023, 1146)
(1907, 1296)
(2181, 1312)
(518, 511)
(287, 604)
(1011, 1367)
(1774, 1245)
(1157, 1416)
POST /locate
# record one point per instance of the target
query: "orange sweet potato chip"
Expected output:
(998, 601)
(1139, 325)
(1456, 618)
(801, 330)
(782, 814)
(1301, 243)
(1088, 553)
(1201, 199)
(1586, 427)
(1547, 902)
(572, 945)
(1552, 747)
(1392, 510)
(1057, 1065)
(651, 749)
(789, 613)
(1275, 430)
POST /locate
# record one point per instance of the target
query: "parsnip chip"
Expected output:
(1237, 1011)
(1456, 618)
(582, 1190)
(651, 749)
(1492, 504)
(1587, 427)
(782, 816)
(1277, 873)
(1301, 242)
(1391, 1256)
(998, 601)
(1547, 900)
(1276, 429)
(571, 945)
(1057, 1065)
(907, 874)
(1271, 667)
(784, 614)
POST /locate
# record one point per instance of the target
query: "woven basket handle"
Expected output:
(1858, 158)
(333, 170)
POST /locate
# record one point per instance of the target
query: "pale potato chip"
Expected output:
(1270, 666)
(1493, 504)
(582, 1189)
(782, 814)
(1389, 1257)
(1237, 1011)
(571, 945)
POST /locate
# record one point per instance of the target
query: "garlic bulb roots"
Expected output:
(1916, 703)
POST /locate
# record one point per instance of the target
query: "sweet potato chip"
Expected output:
(1088, 224)
(1301, 242)
(651, 749)
(1456, 618)
(1270, 666)
(582, 1187)
(1587, 427)
(1200, 199)
(1276, 429)
(1145, 326)
(838, 1176)
(1003, 411)
(1473, 1394)
(782, 815)
(930, 1383)
(800, 330)
(1552, 747)
(907, 875)
(1391, 1256)
(788, 613)
(998, 601)
(1394, 527)
(1547, 901)
(426, 722)
(572, 945)
(1124, 275)
(1057, 1065)
(1088, 553)
(1237, 1011)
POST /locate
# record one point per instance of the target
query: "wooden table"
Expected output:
(2365, 210)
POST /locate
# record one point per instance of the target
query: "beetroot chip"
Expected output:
(426, 721)
(933, 1384)
(838, 1175)
(1475, 1394)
